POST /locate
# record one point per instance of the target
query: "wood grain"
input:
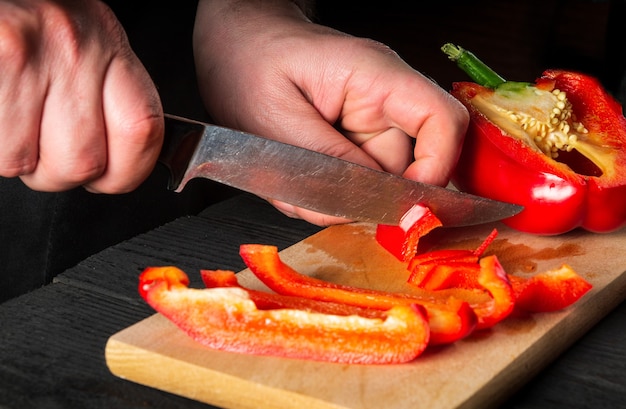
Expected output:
(480, 371)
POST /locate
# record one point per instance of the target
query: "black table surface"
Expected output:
(53, 339)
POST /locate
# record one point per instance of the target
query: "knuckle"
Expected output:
(83, 171)
(16, 168)
(144, 132)
(17, 162)
(69, 174)
(16, 44)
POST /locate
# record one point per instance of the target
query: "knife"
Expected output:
(310, 179)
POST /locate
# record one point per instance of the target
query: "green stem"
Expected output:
(478, 71)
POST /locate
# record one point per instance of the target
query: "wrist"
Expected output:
(224, 26)
(218, 11)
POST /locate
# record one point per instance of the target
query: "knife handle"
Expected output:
(179, 144)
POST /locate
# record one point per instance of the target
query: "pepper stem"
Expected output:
(478, 71)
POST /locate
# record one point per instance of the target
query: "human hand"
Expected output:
(76, 105)
(270, 71)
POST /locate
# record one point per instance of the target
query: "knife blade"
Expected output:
(310, 179)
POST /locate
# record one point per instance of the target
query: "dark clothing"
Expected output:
(42, 234)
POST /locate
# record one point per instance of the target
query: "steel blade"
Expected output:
(313, 180)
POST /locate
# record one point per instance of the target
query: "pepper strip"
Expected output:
(495, 280)
(227, 319)
(268, 301)
(485, 274)
(447, 268)
(402, 240)
(450, 319)
(549, 291)
(464, 269)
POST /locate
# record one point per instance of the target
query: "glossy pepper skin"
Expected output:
(548, 291)
(449, 319)
(402, 240)
(559, 194)
(227, 319)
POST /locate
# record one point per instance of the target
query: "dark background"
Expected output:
(42, 234)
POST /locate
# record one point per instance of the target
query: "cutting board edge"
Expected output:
(492, 395)
(598, 313)
(252, 396)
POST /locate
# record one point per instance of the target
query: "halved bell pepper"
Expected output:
(402, 240)
(449, 318)
(556, 147)
(227, 319)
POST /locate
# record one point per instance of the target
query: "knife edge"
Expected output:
(298, 176)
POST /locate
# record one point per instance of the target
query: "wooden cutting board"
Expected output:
(479, 371)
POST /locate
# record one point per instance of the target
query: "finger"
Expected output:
(310, 216)
(20, 105)
(302, 125)
(392, 150)
(438, 146)
(133, 120)
(438, 122)
(72, 141)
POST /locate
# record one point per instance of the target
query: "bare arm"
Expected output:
(264, 67)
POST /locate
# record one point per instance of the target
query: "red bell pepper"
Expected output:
(556, 147)
(453, 269)
(549, 291)
(449, 319)
(494, 279)
(402, 240)
(485, 274)
(268, 301)
(227, 319)
(432, 270)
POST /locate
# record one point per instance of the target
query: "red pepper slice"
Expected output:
(432, 270)
(560, 142)
(227, 319)
(268, 301)
(402, 240)
(447, 274)
(550, 291)
(486, 274)
(450, 319)
(495, 280)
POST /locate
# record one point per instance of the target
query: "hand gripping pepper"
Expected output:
(227, 319)
(556, 147)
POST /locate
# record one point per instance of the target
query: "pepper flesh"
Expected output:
(573, 176)
(449, 318)
(227, 319)
(267, 301)
(402, 240)
(549, 291)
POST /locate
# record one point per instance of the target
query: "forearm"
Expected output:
(230, 34)
(307, 6)
(217, 12)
